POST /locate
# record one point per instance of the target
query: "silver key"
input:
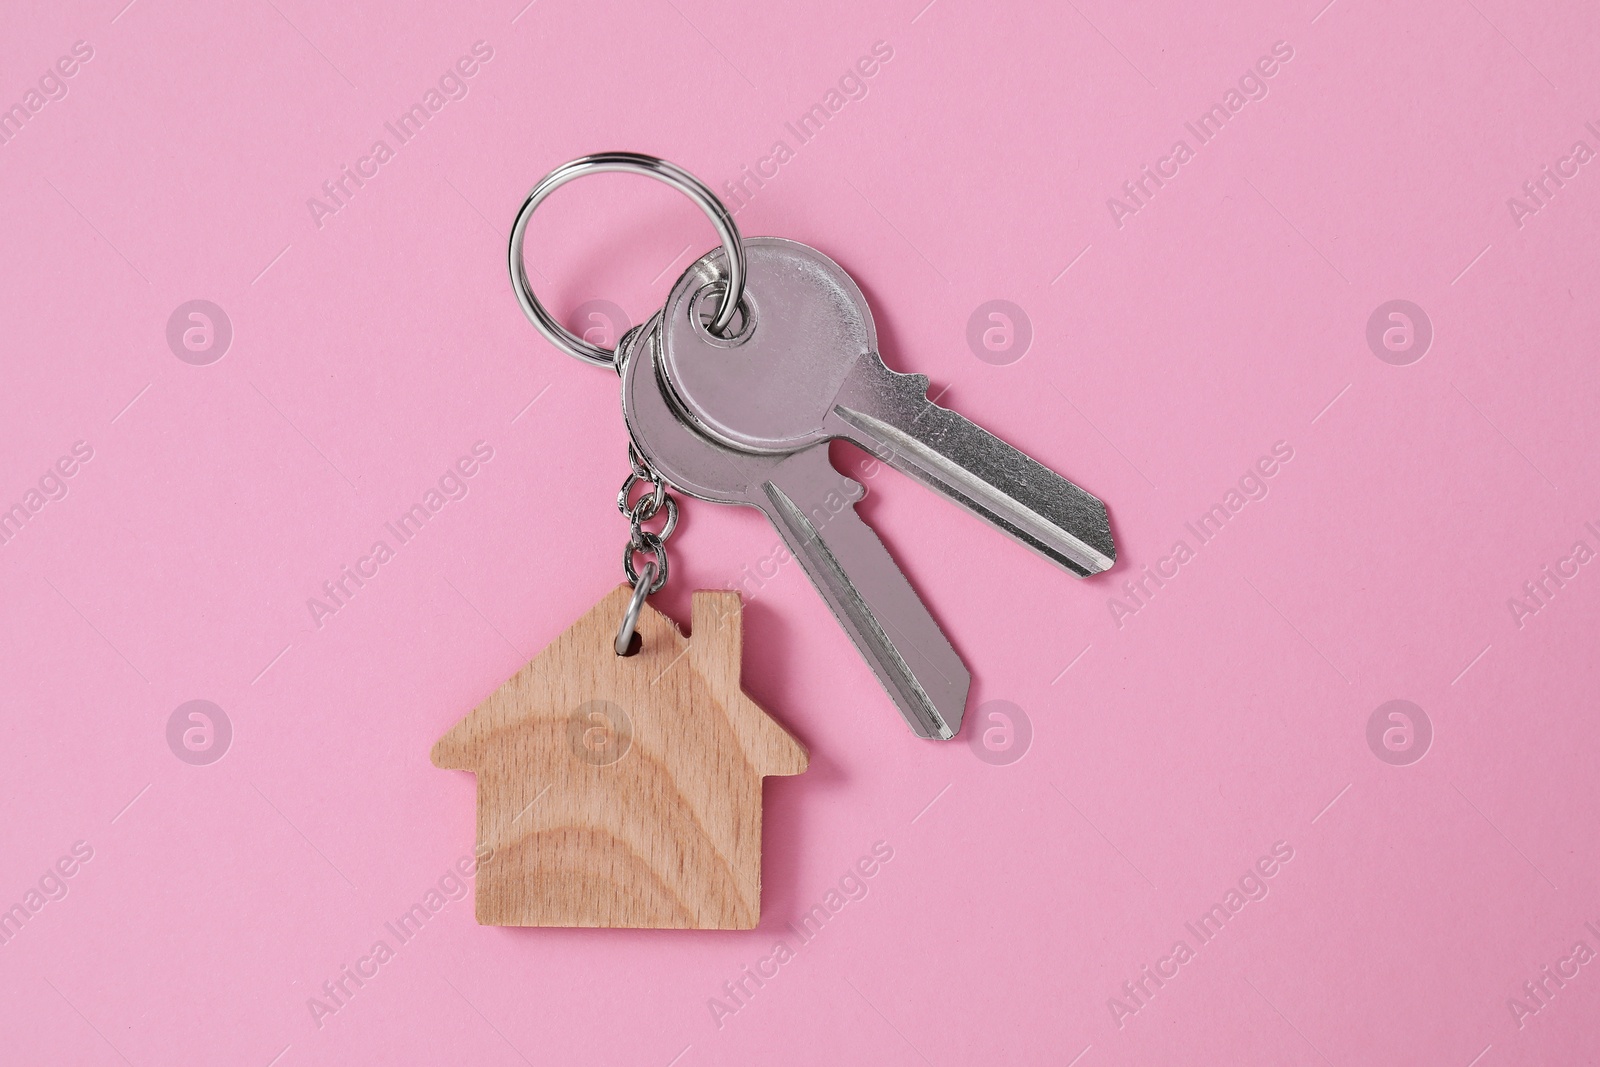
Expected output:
(813, 508)
(802, 366)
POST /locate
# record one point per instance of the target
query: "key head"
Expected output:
(769, 387)
(691, 463)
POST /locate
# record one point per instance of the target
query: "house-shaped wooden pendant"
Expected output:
(624, 790)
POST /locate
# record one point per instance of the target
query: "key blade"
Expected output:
(813, 508)
(890, 415)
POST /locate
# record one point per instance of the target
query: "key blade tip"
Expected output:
(1092, 549)
(932, 698)
(1100, 559)
(1079, 558)
(936, 726)
(938, 717)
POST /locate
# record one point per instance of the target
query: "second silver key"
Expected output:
(813, 508)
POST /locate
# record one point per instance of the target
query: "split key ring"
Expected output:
(630, 163)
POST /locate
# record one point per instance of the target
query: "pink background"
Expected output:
(1168, 753)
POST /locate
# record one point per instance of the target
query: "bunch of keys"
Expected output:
(764, 352)
(620, 778)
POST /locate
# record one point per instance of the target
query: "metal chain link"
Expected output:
(650, 544)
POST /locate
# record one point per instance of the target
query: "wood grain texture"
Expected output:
(624, 791)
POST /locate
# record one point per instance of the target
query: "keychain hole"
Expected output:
(635, 643)
(703, 308)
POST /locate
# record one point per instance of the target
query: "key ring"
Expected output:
(630, 618)
(630, 163)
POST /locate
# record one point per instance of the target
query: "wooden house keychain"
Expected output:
(619, 772)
